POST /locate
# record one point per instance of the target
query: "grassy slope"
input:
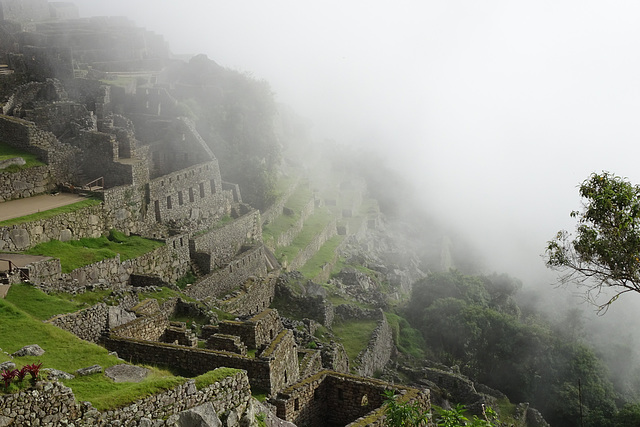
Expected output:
(354, 335)
(20, 324)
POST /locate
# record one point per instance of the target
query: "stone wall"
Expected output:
(148, 328)
(102, 160)
(312, 248)
(223, 243)
(311, 307)
(282, 354)
(255, 295)
(88, 324)
(222, 281)
(63, 159)
(86, 222)
(191, 195)
(54, 404)
(24, 10)
(91, 323)
(256, 332)
(329, 398)
(378, 351)
(311, 362)
(25, 183)
(193, 361)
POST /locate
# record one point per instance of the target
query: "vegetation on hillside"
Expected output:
(474, 323)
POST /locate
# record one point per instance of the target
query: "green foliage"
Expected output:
(629, 415)
(605, 253)
(186, 279)
(455, 417)
(472, 322)
(407, 339)
(400, 414)
(260, 418)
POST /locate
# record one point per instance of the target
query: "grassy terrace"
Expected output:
(78, 253)
(21, 315)
(326, 254)
(8, 152)
(314, 225)
(354, 335)
(282, 223)
(51, 212)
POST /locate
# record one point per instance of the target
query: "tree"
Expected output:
(604, 256)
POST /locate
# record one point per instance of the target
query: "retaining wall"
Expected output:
(86, 222)
(275, 210)
(222, 281)
(312, 248)
(25, 183)
(194, 361)
(168, 263)
(223, 243)
(254, 296)
(378, 351)
(286, 238)
(54, 404)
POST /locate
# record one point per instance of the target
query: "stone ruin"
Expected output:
(129, 147)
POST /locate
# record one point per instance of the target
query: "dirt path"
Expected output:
(30, 205)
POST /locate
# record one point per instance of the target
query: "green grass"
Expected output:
(282, 223)
(214, 376)
(63, 350)
(105, 394)
(7, 152)
(66, 352)
(354, 335)
(51, 212)
(312, 227)
(78, 253)
(407, 339)
(38, 304)
(326, 254)
(85, 299)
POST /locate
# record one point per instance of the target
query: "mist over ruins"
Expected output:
(176, 250)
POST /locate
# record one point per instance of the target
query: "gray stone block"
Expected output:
(29, 350)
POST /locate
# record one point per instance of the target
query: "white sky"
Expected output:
(499, 109)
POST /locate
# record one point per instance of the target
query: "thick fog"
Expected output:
(497, 110)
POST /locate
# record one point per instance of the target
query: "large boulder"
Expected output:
(126, 373)
(199, 416)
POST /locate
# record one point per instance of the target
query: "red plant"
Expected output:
(22, 373)
(8, 376)
(34, 370)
